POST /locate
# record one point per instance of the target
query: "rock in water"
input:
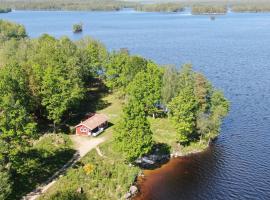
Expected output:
(128, 195)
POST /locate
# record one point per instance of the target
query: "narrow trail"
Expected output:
(99, 152)
(83, 145)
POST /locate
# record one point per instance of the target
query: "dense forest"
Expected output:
(46, 86)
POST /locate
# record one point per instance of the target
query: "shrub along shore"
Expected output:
(49, 85)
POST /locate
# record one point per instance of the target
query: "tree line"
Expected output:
(93, 5)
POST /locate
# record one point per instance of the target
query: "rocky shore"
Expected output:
(154, 161)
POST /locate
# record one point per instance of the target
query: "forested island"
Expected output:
(251, 7)
(203, 9)
(77, 28)
(47, 86)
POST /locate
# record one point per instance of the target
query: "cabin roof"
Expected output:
(94, 121)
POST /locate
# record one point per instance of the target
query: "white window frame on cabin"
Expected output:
(83, 129)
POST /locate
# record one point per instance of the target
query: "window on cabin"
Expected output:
(83, 129)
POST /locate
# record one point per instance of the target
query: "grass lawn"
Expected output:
(163, 131)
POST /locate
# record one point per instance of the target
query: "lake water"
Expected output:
(233, 51)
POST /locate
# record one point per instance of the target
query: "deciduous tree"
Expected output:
(133, 136)
(146, 87)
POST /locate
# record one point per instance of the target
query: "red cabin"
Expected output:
(92, 126)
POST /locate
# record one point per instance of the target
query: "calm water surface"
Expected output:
(234, 52)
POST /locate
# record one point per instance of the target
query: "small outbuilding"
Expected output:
(92, 126)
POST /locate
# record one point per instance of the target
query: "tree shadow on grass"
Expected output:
(35, 167)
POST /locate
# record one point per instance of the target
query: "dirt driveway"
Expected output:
(84, 144)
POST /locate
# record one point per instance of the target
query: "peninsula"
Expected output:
(49, 85)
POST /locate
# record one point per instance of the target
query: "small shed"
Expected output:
(92, 126)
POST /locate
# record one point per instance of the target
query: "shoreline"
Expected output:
(134, 189)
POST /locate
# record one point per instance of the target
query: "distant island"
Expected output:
(77, 28)
(206, 10)
(251, 7)
(5, 10)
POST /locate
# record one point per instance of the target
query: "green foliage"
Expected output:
(219, 104)
(59, 92)
(183, 113)
(186, 77)
(133, 136)
(169, 84)
(92, 58)
(10, 30)
(5, 184)
(197, 109)
(202, 90)
(16, 124)
(55, 75)
(146, 87)
(77, 28)
(121, 69)
(14, 51)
